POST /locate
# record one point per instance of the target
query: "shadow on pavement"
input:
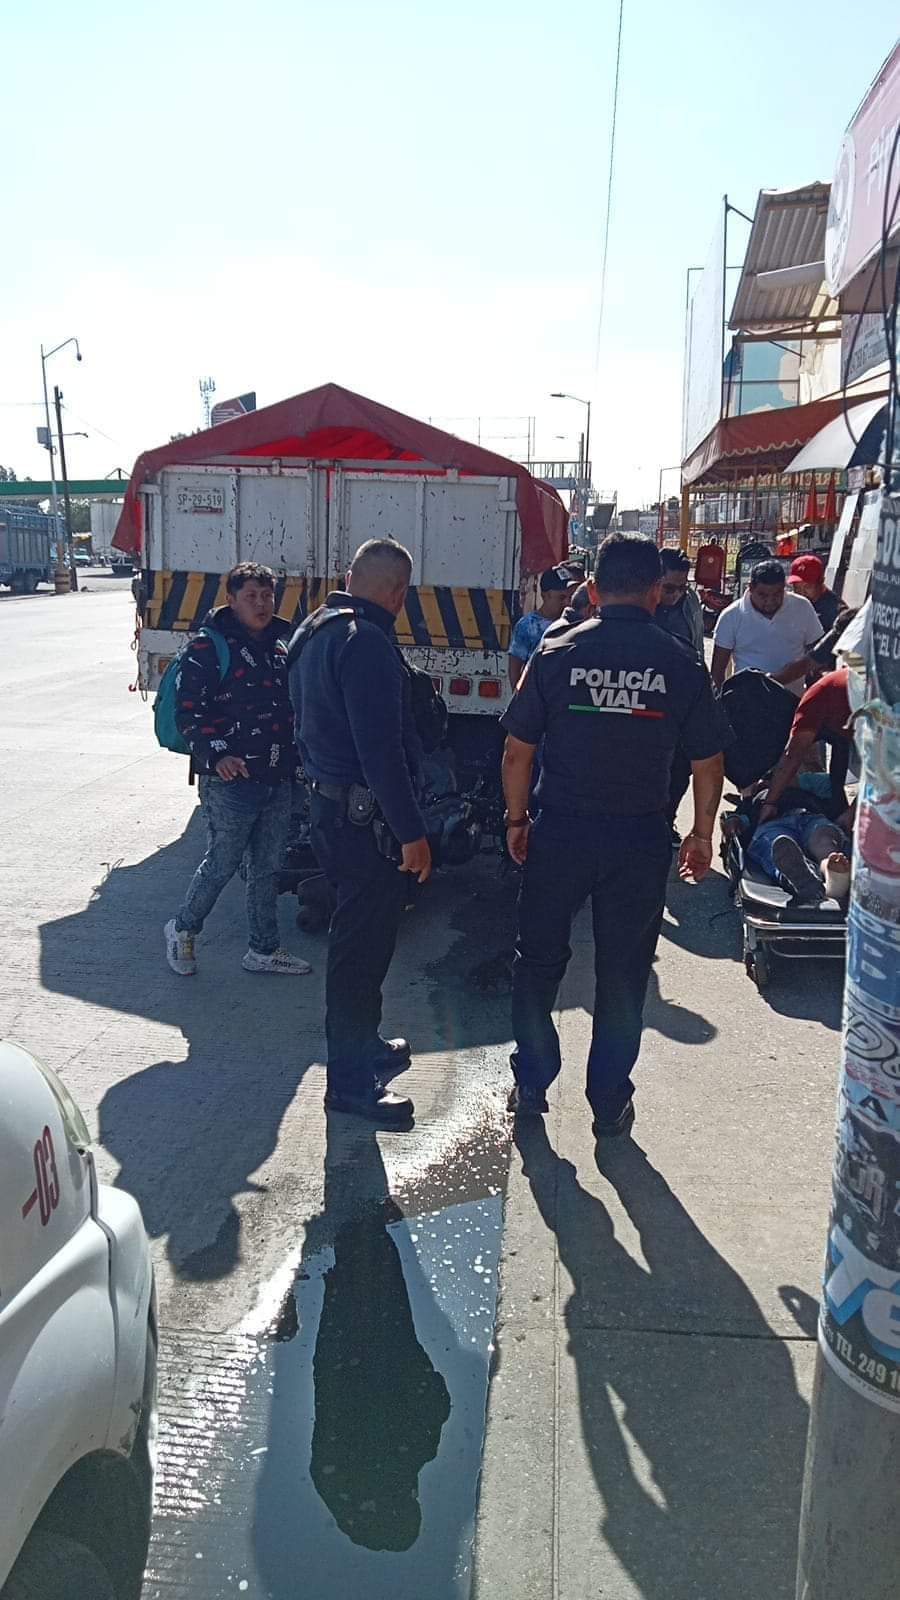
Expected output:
(810, 990)
(693, 1425)
(674, 1020)
(803, 1308)
(700, 917)
(186, 1133)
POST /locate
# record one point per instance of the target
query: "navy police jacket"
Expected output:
(611, 699)
(353, 711)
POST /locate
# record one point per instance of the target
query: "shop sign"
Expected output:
(886, 602)
(856, 207)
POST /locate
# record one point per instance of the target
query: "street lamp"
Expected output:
(45, 357)
(585, 488)
(662, 520)
(587, 431)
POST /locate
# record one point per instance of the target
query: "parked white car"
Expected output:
(77, 1355)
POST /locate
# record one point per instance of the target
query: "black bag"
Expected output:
(429, 708)
(760, 712)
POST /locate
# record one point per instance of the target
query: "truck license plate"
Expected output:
(202, 500)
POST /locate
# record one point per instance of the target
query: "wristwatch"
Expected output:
(516, 822)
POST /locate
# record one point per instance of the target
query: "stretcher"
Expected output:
(773, 924)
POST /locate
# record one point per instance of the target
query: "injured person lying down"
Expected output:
(802, 849)
(804, 853)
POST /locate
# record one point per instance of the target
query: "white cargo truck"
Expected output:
(104, 518)
(299, 486)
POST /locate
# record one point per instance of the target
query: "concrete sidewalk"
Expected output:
(655, 1343)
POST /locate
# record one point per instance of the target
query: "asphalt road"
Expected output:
(329, 1297)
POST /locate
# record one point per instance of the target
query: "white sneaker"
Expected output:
(279, 961)
(180, 950)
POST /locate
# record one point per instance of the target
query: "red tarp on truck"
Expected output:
(334, 424)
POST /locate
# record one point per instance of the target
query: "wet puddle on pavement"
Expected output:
(337, 1453)
(330, 1447)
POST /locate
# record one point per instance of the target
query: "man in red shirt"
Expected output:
(823, 711)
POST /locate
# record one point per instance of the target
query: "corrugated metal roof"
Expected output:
(788, 231)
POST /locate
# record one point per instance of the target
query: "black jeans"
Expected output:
(623, 864)
(370, 896)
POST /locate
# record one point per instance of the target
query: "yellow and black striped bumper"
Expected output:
(459, 619)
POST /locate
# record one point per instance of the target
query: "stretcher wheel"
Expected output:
(759, 967)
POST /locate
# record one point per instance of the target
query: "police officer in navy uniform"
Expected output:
(358, 745)
(611, 700)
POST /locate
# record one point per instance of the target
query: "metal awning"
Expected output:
(782, 282)
(763, 442)
(853, 439)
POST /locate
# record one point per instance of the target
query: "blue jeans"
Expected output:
(799, 825)
(622, 863)
(245, 821)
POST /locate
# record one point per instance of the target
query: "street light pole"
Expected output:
(584, 488)
(662, 515)
(70, 553)
(560, 395)
(61, 569)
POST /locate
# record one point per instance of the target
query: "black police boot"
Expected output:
(614, 1127)
(525, 1102)
(375, 1104)
(392, 1056)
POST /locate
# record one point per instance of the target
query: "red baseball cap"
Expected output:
(807, 569)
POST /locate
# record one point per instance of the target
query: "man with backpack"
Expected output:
(356, 734)
(233, 714)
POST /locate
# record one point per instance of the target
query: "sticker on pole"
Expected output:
(859, 1329)
(859, 1323)
(886, 602)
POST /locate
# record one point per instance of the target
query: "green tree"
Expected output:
(81, 515)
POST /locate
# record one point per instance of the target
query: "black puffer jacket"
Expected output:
(249, 714)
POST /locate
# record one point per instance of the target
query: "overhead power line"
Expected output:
(609, 188)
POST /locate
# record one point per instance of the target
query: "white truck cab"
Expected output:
(77, 1355)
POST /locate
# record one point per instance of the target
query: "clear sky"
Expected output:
(406, 198)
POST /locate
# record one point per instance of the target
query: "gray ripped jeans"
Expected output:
(245, 821)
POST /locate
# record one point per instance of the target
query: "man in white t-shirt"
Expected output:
(769, 628)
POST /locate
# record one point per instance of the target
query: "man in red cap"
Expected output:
(807, 577)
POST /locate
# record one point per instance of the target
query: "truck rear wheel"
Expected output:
(31, 582)
(53, 1567)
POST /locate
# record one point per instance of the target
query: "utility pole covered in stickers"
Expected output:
(849, 1544)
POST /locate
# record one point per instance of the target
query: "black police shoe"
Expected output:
(392, 1056)
(526, 1102)
(376, 1105)
(616, 1126)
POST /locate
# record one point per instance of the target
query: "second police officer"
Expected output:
(610, 700)
(358, 744)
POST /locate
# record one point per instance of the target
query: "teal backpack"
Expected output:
(164, 724)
